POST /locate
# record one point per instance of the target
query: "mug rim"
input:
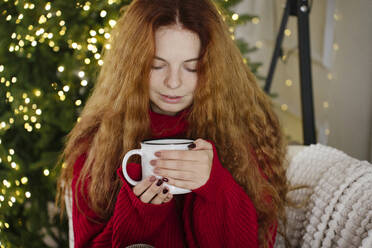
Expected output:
(148, 141)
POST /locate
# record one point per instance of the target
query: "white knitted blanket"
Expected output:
(339, 211)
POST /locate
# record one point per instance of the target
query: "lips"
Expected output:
(171, 99)
(171, 96)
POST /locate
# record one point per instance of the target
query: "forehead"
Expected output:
(173, 42)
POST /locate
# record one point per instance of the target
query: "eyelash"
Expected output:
(159, 67)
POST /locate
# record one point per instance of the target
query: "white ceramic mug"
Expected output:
(147, 153)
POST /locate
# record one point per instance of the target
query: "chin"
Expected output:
(170, 110)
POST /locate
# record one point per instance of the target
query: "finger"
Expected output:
(160, 198)
(180, 165)
(152, 191)
(175, 174)
(202, 145)
(174, 155)
(185, 184)
(184, 154)
(168, 198)
(143, 185)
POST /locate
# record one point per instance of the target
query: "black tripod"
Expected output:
(299, 8)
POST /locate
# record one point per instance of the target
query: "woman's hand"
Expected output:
(185, 169)
(150, 190)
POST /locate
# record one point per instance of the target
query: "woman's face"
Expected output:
(173, 75)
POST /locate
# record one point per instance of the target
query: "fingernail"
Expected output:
(191, 146)
(152, 179)
(153, 162)
(165, 179)
(159, 182)
(165, 190)
(157, 154)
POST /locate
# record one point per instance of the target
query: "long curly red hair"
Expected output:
(229, 108)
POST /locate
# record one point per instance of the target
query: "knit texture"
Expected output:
(339, 211)
(218, 214)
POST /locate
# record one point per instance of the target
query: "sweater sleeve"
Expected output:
(222, 214)
(132, 221)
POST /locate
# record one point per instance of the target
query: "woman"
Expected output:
(174, 71)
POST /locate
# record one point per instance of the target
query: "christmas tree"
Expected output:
(50, 55)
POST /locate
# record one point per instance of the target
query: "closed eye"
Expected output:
(157, 67)
(191, 70)
(160, 67)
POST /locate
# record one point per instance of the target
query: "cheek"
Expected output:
(155, 79)
(193, 82)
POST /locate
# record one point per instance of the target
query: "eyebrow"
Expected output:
(189, 60)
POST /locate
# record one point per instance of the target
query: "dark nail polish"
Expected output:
(159, 182)
(165, 190)
(191, 146)
(165, 179)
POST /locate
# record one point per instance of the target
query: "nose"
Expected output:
(173, 79)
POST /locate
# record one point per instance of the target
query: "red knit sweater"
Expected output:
(218, 214)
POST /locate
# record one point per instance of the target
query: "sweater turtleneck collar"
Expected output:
(166, 126)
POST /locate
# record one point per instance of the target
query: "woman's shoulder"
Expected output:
(79, 163)
(80, 154)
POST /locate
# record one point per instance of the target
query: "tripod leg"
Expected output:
(305, 73)
(278, 44)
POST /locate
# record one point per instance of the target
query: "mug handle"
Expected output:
(124, 165)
